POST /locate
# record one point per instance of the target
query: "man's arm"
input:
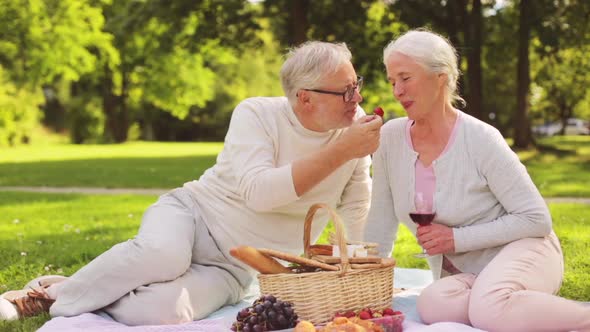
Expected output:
(360, 140)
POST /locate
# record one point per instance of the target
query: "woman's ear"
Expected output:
(442, 79)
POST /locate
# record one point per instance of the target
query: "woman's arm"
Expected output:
(526, 215)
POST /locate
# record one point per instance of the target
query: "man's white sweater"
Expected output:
(482, 190)
(248, 196)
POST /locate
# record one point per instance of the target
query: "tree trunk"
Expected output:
(456, 21)
(522, 130)
(54, 113)
(299, 23)
(474, 72)
(116, 117)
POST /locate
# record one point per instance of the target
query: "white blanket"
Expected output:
(412, 280)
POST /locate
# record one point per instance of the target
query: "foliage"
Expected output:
(17, 119)
(560, 77)
(44, 40)
(175, 70)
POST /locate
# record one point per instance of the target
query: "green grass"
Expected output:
(131, 165)
(59, 233)
(560, 167)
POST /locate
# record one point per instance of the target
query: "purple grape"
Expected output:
(253, 320)
(277, 306)
(243, 313)
(259, 308)
(283, 322)
(288, 311)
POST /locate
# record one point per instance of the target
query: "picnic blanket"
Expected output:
(412, 280)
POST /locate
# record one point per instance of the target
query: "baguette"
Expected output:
(321, 249)
(257, 260)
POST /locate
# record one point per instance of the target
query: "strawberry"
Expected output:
(340, 314)
(388, 312)
(365, 315)
(379, 111)
(349, 314)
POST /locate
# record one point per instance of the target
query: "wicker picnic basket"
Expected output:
(317, 296)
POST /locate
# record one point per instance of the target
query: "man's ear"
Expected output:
(304, 98)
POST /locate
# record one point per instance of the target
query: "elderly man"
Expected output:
(281, 155)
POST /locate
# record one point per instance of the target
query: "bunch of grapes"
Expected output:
(267, 313)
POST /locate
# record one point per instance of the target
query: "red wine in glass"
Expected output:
(422, 219)
(423, 216)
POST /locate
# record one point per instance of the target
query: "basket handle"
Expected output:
(340, 239)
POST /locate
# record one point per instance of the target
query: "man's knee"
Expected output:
(165, 309)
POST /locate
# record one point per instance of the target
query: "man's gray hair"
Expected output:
(309, 63)
(434, 52)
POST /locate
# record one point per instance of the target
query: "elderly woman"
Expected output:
(495, 259)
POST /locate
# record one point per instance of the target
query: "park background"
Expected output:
(138, 94)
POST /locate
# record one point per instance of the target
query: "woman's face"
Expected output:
(417, 89)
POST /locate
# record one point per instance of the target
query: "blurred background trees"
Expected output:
(112, 71)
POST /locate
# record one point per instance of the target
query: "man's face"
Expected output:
(331, 111)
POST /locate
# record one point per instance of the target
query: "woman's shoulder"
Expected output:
(476, 125)
(485, 142)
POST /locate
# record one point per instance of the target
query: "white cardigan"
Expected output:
(482, 191)
(248, 196)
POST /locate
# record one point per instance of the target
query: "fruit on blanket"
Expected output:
(365, 315)
(379, 111)
(341, 324)
(368, 313)
(304, 326)
(267, 313)
(390, 312)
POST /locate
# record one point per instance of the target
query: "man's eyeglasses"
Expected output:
(347, 95)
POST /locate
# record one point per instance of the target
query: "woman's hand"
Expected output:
(436, 239)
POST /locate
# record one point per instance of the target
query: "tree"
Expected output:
(45, 42)
(522, 128)
(561, 47)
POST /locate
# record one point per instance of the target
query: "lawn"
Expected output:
(59, 233)
(560, 167)
(129, 165)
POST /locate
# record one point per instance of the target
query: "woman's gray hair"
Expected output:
(308, 64)
(433, 52)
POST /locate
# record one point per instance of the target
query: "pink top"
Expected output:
(425, 178)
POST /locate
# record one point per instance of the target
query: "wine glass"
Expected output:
(423, 216)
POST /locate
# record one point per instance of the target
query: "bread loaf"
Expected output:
(257, 260)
